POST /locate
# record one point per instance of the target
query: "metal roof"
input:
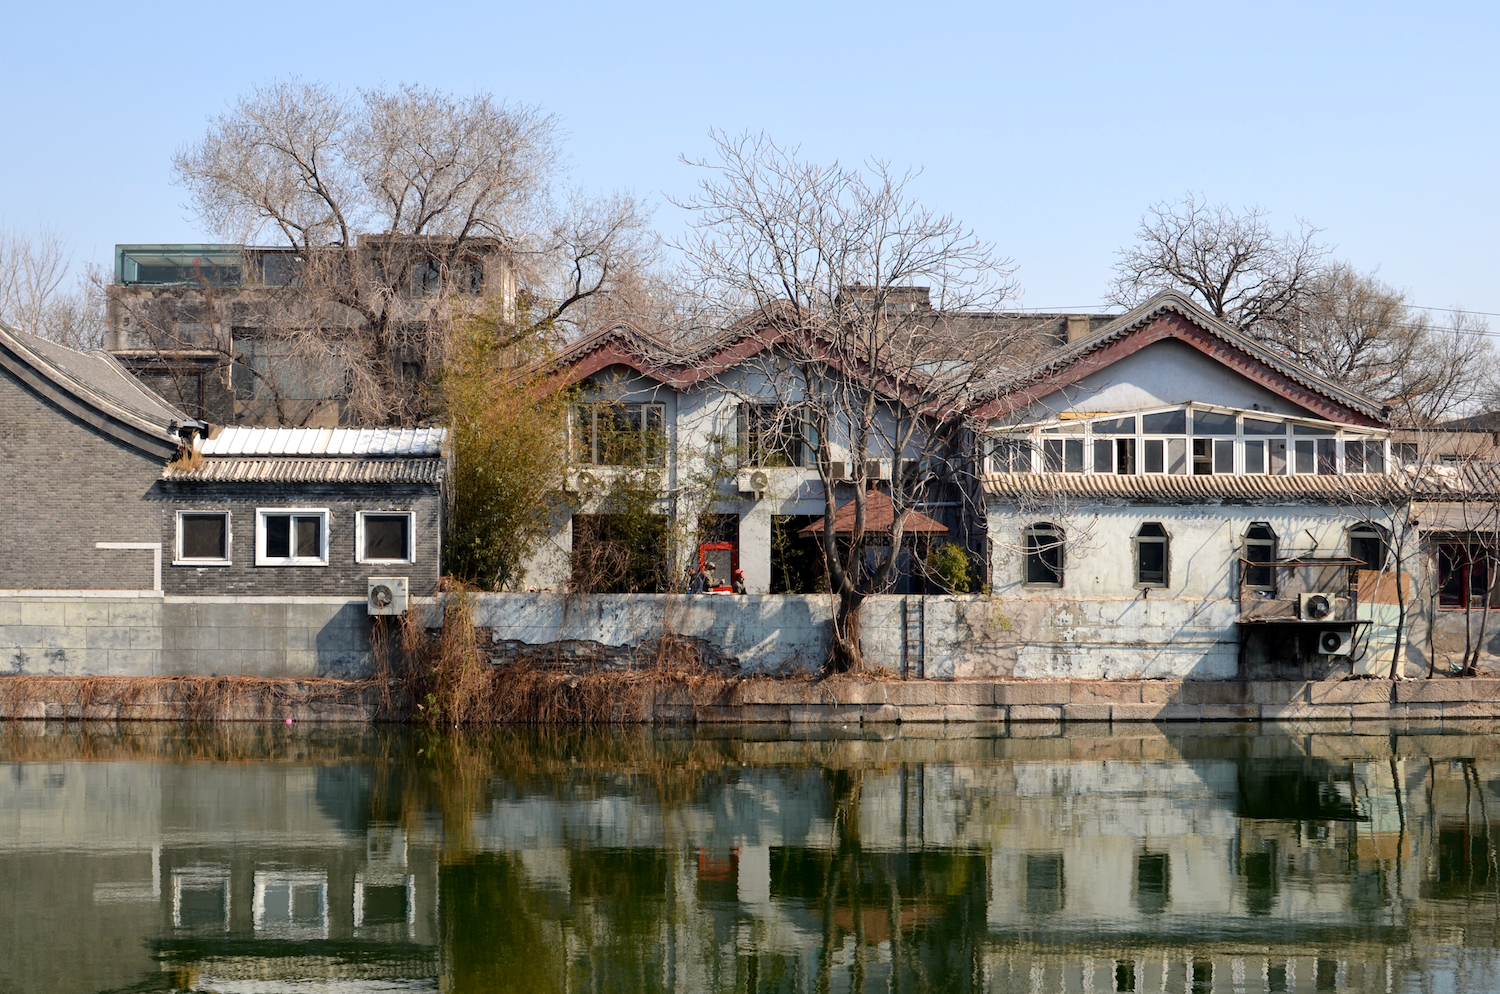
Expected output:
(310, 470)
(369, 442)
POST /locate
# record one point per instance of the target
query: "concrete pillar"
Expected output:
(755, 547)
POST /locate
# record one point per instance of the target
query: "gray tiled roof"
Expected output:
(284, 469)
(377, 442)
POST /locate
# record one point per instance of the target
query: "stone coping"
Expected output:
(1013, 704)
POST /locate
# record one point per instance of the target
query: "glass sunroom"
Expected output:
(1188, 440)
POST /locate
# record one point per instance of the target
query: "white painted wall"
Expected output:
(1099, 625)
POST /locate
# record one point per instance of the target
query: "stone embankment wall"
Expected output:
(143, 634)
(1014, 707)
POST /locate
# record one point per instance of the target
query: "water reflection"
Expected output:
(265, 858)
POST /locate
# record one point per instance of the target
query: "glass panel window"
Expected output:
(1010, 455)
(291, 537)
(1154, 455)
(1115, 426)
(1213, 423)
(1104, 455)
(1260, 547)
(1328, 456)
(775, 435)
(1044, 555)
(1151, 555)
(1052, 455)
(1125, 456)
(1073, 455)
(1405, 453)
(1306, 455)
(1306, 430)
(203, 537)
(1367, 544)
(384, 536)
(1354, 457)
(1223, 455)
(607, 434)
(1165, 423)
(1279, 461)
(1177, 456)
(1063, 455)
(1255, 456)
(1258, 426)
(1203, 457)
(1463, 575)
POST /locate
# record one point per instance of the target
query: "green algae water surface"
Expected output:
(1142, 858)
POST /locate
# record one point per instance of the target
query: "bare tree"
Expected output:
(37, 296)
(1233, 262)
(460, 192)
(839, 266)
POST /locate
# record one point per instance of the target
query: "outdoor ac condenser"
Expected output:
(1315, 606)
(754, 481)
(1336, 643)
(877, 469)
(386, 595)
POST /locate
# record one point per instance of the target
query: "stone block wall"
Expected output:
(124, 633)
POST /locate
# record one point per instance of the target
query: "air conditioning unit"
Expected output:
(754, 481)
(1315, 606)
(1336, 643)
(580, 481)
(911, 471)
(877, 469)
(386, 595)
(841, 471)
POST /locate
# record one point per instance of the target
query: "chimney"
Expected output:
(1078, 326)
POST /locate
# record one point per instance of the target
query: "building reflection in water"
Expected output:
(254, 859)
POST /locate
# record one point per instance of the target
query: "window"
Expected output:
(1213, 455)
(384, 537)
(1062, 455)
(202, 538)
(1366, 543)
(1367, 456)
(1463, 574)
(291, 537)
(1044, 555)
(1151, 555)
(1010, 455)
(1260, 547)
(773, 435)
(608, 434)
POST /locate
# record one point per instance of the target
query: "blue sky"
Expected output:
(1048, 127)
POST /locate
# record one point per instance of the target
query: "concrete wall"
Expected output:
(123, 633)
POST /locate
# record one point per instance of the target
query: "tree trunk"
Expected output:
(845, 654)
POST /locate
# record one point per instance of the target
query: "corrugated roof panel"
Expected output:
(335, 442)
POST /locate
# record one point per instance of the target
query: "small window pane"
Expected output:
(1354, 457)
(1165, 423)
(1125, 456)
(205, 536)
(1278, 457)
(309, 537)
(1203, 456)
(1306, 457)
(1255, 426)
(1115, 426)
(1073, 455)
(1374, 457)
(278, 536)
(1044, 555)
(1177, 456)
(1052, 455)
(1327, 456)
(387, 536)
(1104, 455)
(1255, 457)
(1223, 455)
(1154, 452)
(1305, 430)
(1212, 423)
(1153, 565)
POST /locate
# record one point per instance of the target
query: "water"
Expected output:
(1187, 860)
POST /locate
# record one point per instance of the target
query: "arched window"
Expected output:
(1044, 555)
(1368, 544)
(1151, 555)
(1260, 547)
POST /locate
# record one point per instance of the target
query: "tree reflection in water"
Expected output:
(748, 860)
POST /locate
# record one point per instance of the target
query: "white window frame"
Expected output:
(178, 559)
(411, 536)
(261, 559)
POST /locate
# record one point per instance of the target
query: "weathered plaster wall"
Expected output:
(124, 633)
(1100, 625)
